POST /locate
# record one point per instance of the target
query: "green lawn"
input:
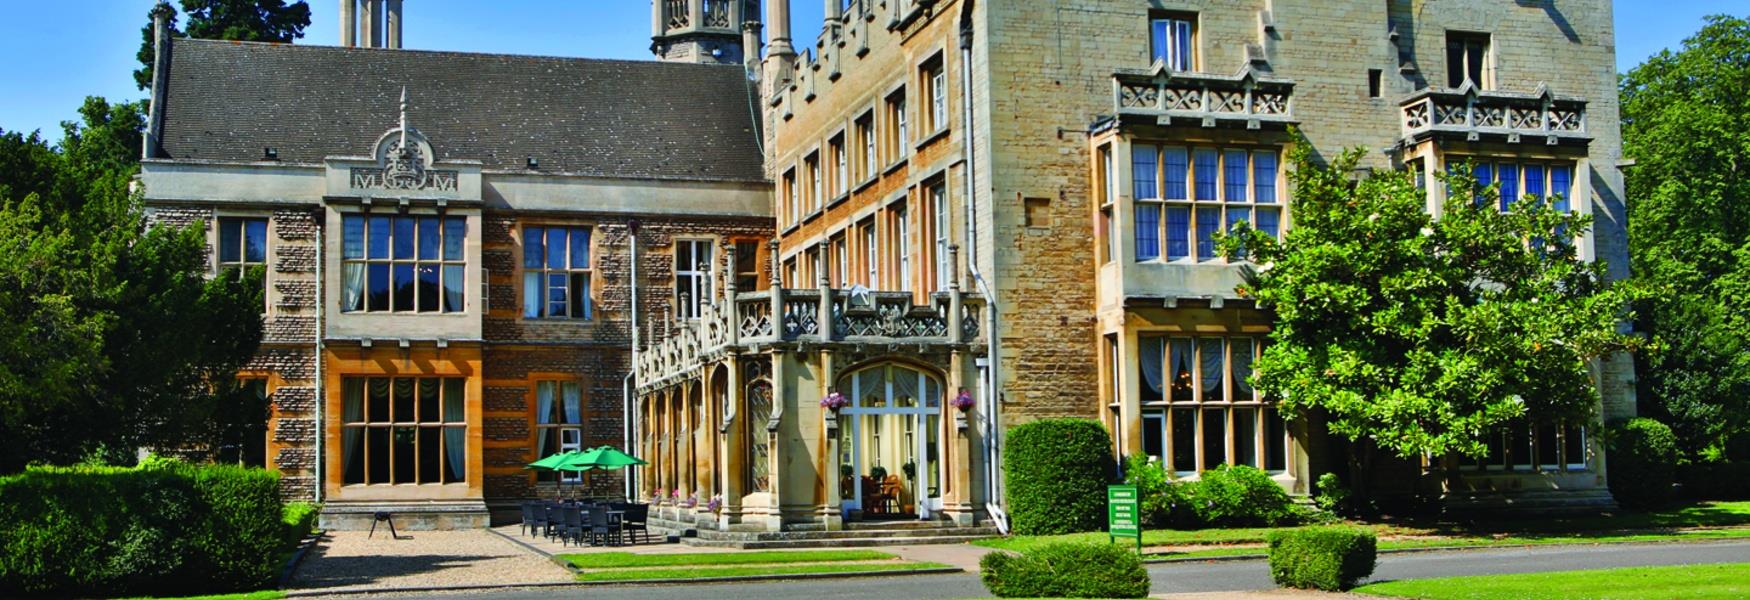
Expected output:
(626, 566)
(1687, 581)
(1628, 527)
(262, 595)
(749, 570)
(623, 560)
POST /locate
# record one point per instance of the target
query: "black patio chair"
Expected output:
(553, 521)
(636, 519)
(528, 518)
(573, 526)
(601, 530)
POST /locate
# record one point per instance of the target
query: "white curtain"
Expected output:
(905, 385)
(1152, 363)
(932, 393)
(352, 289)
(869, 387)
(573, 403)
(455, 438)
(1242, 369)
(543, 415)
(352, 410)
(531, 295)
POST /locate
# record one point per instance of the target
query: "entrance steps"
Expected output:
(854, 535)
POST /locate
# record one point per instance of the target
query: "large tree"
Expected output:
(1418, 335)
(1686, 123)
(242, 20)
(114, 337)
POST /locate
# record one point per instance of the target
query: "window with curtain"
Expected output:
(403, 263)
(556, 273)
(896, 137)
(403, 430)
(1521, 180)
(866, 146)
(935, 81)
(902, 245)
(1198, 192)
(242, 244)
(1198, 404)
(692, 276)
(841, 164)
(1171, 41)
(558, 422)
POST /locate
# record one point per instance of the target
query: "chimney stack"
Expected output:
(349, 23)
(392, 29)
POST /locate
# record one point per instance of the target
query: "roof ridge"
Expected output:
(359, 49)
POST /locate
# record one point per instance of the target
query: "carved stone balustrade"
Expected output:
(788, 318)
(1250, 99)
(1473, 115)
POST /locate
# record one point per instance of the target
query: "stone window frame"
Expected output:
(937, 219)
(1220, 204)
(897, 216)
(896, 132)
(1106, 246)
(537, 428)
(1166, 411)
(702, 287)
(268, 248)
(590, 273)
(867, 162)
(1192, 22)
(790, 204)
(1459, 60)
(1534, 438)
(837, 168)
(369, 424)
(815, 187)
(932, 75)
(446, 266)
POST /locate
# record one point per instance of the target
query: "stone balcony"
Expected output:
(1473, 115)
(1249, 99)
(800, 318)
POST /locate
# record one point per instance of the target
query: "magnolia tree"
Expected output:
(1419, 335)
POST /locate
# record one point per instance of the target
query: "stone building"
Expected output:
(1039, 182)
(449, 242)
(857, 259)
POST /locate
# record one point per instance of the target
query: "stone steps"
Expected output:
(906, 533)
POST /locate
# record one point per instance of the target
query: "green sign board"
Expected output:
(1123, 514)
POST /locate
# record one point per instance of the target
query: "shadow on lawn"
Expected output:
(1606, 524)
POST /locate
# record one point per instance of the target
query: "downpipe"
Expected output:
(990, 405)
(628, 416)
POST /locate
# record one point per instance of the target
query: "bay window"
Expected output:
(1519, 180)
(403, 263)
(403, 430)
(1200, 412)
(1185, 195)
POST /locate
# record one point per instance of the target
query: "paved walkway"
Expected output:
(347, 560)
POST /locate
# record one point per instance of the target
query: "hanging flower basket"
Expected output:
(963, 401)
(716, 504)
(834, 401)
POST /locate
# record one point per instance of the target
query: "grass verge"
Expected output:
(622, 560)
(1686, 581)
(748, 571)
(261, 595)
(1406, 544)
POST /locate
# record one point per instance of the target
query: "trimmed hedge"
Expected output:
(1057, 472)
(1322, 558)
(300, 520)
(1066, 570)
(1641, 462)
(165, 527)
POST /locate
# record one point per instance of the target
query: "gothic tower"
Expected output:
(370, 23)
(701, 31)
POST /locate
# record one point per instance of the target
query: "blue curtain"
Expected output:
(1560, 184)
(1178, 232)
(456, 438)
(1485, 174)
(1233, 173)
(1208, 222)
(1175, 176)
(1205, 160)
(1508, 175)
(1264, 177)
(1142, 172)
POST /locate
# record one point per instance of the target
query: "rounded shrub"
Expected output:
(1240, 496)
(1322, 558)
(1066, 570)
(1642, 456)
(1057, 472)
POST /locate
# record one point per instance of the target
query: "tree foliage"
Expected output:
(113, 332)
(1686, 123)
(241, 20)
(1423, 335)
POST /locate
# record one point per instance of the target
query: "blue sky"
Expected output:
(55, 53)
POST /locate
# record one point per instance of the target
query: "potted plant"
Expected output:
(715, 505)
(910, 469)
(878, 473)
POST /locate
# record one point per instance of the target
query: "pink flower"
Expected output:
(834, 401)
(964, 400)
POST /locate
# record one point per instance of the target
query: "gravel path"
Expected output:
(347, 560)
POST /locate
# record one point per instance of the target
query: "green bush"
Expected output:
(1057, 472)
(299, 520)
(1641, 460)
(1164, 503)
(1066, 570)
(164, 527)
(1322, 558)
(1332, 496)
(1241, 496)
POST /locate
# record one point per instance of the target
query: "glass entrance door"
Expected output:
(889, 443)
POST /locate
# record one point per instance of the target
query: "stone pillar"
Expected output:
(349, 24)
(750, 44)
(392, 26)
(834, 516)
(778, 19)
(735, 468)
(370, 13)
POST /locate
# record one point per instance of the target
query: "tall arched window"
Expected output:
(759, 445)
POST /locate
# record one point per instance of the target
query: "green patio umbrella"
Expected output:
(553, 461)
(605, 457)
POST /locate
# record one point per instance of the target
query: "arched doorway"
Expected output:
(890, 442)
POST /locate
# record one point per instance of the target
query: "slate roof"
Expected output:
(226, 101)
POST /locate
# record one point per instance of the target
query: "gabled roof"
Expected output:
(226, 101)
